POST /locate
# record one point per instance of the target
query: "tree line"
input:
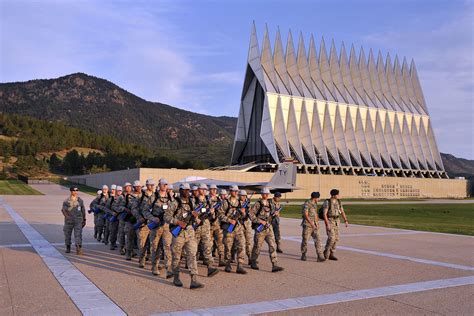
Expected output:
(28, 139)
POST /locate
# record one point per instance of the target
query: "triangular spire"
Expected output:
(392, 83)
(409, 86)
(303, 69)
(315, 73)
(374, 80)
(390, 102)
(292, 67)
(417, 86)
(326, 71)
(336, 74)
(401, 84)
(267, 64)
(280, 65)
(356, 79)
(346, 75)
(365, 78)
(253, 58)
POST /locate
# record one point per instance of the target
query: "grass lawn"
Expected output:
(444, 218)
(83, 188)
(16, 187)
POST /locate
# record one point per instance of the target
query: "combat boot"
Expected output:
(113, 246)
(326, 254)
(240, 270)
(122, 251)
(321, 258)
(332, 257)
(211, 271)
(106, 242)
(141, 263)
(68, 248)
(303, 257)
(176, 281)
(221, 263)
(79, 250)
(276, 268)
(99, 237)
(228, 268)
(194, 283)
(169, 274)
(279, 249)
(254, 265)
(155, 270)
(128, 257)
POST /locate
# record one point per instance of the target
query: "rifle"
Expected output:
(231, 227)
(94, 210)
(177, 230)
(152, 224)
(272, 214)
(204, 213)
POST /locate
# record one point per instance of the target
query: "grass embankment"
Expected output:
(444, 218)
(82, 188)
(16, 187)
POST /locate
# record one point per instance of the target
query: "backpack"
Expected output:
(321, 209)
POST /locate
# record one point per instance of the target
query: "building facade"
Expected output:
(335, 113)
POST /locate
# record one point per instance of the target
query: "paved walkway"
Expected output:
(380, 271)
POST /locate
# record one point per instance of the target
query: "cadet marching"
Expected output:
(198, 223)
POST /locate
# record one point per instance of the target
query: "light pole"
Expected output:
(318, 158)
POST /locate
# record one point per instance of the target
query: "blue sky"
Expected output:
(192, 54)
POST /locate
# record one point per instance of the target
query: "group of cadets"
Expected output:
(198, 223)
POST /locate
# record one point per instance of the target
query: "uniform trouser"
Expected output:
(203, 235)
(248, 231)
(276, 229)
(121, 233)
(186, 240)
(96, 231)
(130, 237)
(218, 236)
(142, 236)
(267, 236)
(100, 224)
(333, 236)
(161, 233)
(106, 229)
(70, 224)
(307, 233)
(113, 231)
(237, 238)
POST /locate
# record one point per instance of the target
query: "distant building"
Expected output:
(334, 114)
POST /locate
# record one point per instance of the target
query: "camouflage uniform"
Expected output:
(308, 231)
(126, 205)
(74, 209)
(261, 211)
(99, 203)
(114, 221)
(203, 232)
(155, 213)
(186, 238)
(216, 230)
(229, 210)
(333, 208)
(144, 203)
(121, 228)
(276, 224)
(107, 213)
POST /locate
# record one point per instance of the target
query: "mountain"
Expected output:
(458, 167)
(99, 106)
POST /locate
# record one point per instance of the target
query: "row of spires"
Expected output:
(351, 80)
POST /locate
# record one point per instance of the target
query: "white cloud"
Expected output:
(134, 46)
(444, 58)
